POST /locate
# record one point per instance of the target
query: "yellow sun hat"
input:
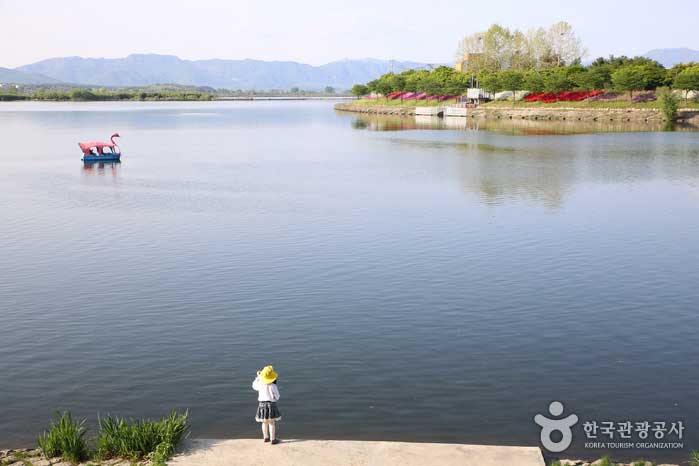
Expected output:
(267, 375)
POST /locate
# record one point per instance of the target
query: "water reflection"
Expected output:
(504, 171)
(101, 168)
(506, 126)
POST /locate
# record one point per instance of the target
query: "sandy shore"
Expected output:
(244, 452)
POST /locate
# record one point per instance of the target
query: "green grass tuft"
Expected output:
(694, 458)
(66, 438)
(139, 439)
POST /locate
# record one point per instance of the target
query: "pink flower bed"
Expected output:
(565, 96)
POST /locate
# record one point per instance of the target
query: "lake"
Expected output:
(425, 284)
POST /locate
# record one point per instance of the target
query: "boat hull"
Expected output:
(102, 158)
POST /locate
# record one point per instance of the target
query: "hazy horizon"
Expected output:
(314, 32)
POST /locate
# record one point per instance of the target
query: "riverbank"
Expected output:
(207, 452)
(688, 116)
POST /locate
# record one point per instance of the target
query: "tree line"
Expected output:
(540, 60)
(614, 73)
(621, 74)
(82, 94)
(500, 48)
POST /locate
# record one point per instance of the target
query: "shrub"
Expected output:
(66, 438)
(668, 104)
(137, 439)
(604, 97)
(647, 97)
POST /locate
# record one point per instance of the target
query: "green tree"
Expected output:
(677, 69)
(82, 94)
(373, 85)
(629, 78)
(558, 80)
(491, 82)
(359, 90)
(512, 80)
(687, 80)
(534, 81)
(598, 77)
(329, 90)
(414, 82)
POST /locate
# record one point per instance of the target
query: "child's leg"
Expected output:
(272, 429)
(265, 429)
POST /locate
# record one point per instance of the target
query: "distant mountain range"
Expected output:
(671, 57)
(8, 75)
(147, 69)
(143, 69)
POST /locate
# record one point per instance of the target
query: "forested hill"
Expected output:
(137, 70)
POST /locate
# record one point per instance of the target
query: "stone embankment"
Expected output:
(601, 461)
(631, 115)
(403, 110)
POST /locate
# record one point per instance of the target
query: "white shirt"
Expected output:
(265, 392)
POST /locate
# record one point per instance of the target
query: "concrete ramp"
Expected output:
(244, 452)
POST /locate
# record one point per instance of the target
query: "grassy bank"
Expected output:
(402, 103)
(88, 95)
(118, 440)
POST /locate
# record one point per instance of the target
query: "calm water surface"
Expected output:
(425, 285)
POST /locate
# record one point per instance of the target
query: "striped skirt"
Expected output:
(267, 411)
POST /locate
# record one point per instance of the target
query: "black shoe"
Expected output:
(266, 440)
(275, 441)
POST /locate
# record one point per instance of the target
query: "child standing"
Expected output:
(265, 384)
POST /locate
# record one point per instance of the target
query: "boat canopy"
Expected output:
(86, 146)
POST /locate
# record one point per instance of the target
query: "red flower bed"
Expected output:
(565, 96)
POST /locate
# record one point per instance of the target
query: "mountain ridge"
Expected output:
(245, 74)
(670, 57)
(8, 75)
(140, 69)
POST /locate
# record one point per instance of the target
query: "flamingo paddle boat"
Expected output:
(101, 151)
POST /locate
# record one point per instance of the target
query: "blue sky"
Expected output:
(318, 31)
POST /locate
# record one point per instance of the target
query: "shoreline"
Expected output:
(310, 452)
(685, 116)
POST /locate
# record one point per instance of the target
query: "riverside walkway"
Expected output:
(245, 452)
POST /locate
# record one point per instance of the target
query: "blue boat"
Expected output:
(101, 151)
